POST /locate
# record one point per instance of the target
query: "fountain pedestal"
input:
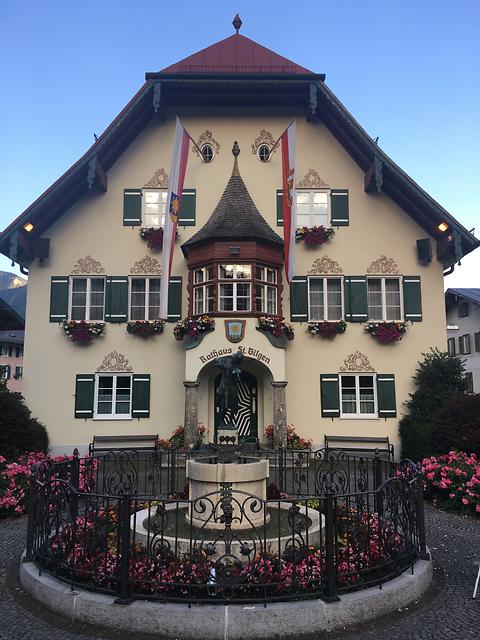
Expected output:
(204, 478)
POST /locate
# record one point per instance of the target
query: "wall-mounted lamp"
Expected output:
(28, 226)
(443, 226)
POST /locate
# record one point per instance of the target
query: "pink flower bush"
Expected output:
(453, 480)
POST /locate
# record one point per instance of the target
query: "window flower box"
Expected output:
(191, 331)
(326, 329)
(276, 330)
(82, 332)
(314, 236)
(145, 328)
(153, 236)
(387, 332)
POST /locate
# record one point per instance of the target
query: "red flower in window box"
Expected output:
(145, 328)
(82, 332)
(387, 332)
(327, 329)
(153, 236)
(314, 236)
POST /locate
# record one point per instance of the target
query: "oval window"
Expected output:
(263, 153)
(207, 153)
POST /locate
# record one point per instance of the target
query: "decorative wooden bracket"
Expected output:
(373, 181)
(312, 101)
(96, 175)
(157, 96)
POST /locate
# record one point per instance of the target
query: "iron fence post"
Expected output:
(124, 596)
(377, 483)
(31, 515)
(330, 594)
(423, 555)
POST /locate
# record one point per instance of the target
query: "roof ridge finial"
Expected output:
(236, 152)
(237, 23)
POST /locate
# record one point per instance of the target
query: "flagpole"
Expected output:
(280, 136)
(193, 141)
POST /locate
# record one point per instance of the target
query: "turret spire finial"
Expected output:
(237, 23)
(236, 152)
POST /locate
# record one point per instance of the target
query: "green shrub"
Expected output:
(457, 425)
(19, 432)
(438, 377)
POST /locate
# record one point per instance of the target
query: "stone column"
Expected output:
(279, 414)
(191, 412)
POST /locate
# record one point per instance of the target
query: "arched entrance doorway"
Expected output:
(246, 418)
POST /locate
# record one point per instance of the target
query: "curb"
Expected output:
(227, 622)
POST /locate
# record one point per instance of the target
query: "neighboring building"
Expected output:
(229, 263)
(463, 331)
(11, 358)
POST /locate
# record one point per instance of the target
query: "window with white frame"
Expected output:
(4, 350)
(18, 373)
(358, 395)
(19, 351)
(87, 299)
(234, 287)
(325, 299)
(266, 290)
(312, 208)
(203, 290)
(144, 298)
(384, 299)
(5, 371)
(154, 202)
(464, 344)
(113, 396)
(451, 346)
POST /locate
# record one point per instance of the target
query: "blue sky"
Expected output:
(408, 71)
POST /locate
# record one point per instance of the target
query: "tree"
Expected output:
(457, 425)
(439, 377)
(19, 432)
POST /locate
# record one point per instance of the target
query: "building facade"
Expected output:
(84, 243)
(463, 331)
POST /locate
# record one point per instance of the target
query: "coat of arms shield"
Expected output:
(235, 330)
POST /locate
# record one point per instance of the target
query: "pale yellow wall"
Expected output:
(94, 227)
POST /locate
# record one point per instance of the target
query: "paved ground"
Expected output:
(446, 612)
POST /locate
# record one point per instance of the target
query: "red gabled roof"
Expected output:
(235, 54)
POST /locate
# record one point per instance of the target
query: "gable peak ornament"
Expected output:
(147, 265)
(158, 180)
(324, 265)
(87, 265)
(114, 361)
(312, 180)
(357, 362)
(383, 265)
(237, 23)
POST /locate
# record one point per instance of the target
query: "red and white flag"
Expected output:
(175, 188)
(288, 199)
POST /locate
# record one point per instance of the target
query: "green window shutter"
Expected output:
(330, 395)
(59, 298)
(116, 299)
(132, 207)
(279, 208)
(299, 299)
(387, 406)
(186, 215)
(412, 298)
(84, 394)
(356, 307)
(339, 208)
(175, 299)
(141, 395)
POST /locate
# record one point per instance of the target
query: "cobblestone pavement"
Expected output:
(446, 612)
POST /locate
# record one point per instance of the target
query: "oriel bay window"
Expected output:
(325, 299)
(144, 298)
(203, 290)
(87, 301)
(384, 299)
(234, 287)
(266, 290)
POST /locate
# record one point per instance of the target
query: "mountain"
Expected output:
(16, 298)
(10, 281)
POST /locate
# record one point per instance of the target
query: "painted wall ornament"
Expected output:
(235, 330)
(312, 180)
(158, 180)
(357, 362)
(114, 361)
(324, 265)
(265, 137)
(87, 265)
(383, 265)
(206, 138)
(148, 266)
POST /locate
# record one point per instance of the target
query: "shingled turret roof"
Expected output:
(235, 217)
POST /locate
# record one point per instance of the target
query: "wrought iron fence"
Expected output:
(121, 524)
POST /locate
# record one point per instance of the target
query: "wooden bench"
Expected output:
(101, 444)
(361, 444)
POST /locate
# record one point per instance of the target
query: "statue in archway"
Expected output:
(227, 390)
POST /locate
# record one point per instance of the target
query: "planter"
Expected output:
(191, 331)
(326, 329)
(277, 331)
(190, 342)
(277, 341)
(387, 332)
(145, 328)
(314, 236)
(82, 332)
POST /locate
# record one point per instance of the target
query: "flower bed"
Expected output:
(294, 441)
(177, 439)
(145, 328)
(314, 236)
(387, 332)
(193, 327)
(83, 332)
(453, 481)
(277, 326)
(326, 329)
